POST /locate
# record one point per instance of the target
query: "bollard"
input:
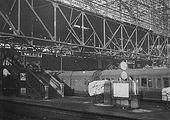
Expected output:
(62, 90)
(46, 91)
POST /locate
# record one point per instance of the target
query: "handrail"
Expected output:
(59, 86)
(55, 81)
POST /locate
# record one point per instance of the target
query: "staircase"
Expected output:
(42, 84)
(37, 85)
(55, 88)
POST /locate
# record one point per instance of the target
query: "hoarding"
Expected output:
(121, 90)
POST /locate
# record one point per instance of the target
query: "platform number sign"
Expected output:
(123, 65)
(23, 76)
(124, 75)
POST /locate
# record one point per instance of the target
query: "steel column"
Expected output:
(55, 21)
(136, 42)
(104, 31)
(32, 27)
(19, 16)
(148, 43)
(82, 28)
(121, 38)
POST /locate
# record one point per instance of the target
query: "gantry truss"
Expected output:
(123, 29)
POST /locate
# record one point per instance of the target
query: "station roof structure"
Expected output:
(122, 29)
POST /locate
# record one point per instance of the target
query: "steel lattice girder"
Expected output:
(131, 29)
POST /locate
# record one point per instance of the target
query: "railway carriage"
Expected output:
(150, 81)
(77, 81)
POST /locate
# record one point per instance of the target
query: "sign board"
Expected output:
(23, 76)
(23, 91)
(121, 90)
(31, 54)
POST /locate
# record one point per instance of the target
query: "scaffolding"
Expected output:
(125, 29)
(149, 14)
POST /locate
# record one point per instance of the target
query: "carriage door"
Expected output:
(165, 82)
(147, 87)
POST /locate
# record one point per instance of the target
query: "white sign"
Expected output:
(23, 76)
(96, 87)
(31, 54)
(121, 90)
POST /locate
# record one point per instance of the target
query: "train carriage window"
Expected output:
(107, 78)
(149, 82)
(144, 82)
(166, 82)
(158, 83)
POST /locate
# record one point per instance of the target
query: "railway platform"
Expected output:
(81, 108)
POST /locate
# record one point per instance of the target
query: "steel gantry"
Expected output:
(123, 29)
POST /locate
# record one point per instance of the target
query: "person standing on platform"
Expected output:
(5, 81)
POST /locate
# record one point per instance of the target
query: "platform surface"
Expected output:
(147, 110)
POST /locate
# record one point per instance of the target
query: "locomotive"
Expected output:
(151, 81)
